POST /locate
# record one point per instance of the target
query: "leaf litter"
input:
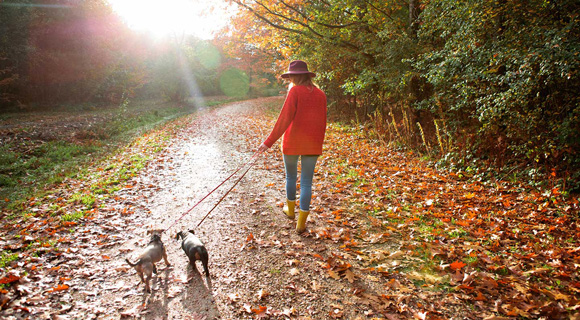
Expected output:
(389, 236)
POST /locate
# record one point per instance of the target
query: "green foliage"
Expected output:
(497, 80)
(234, 83)
(71, 217)
(184, 70)
(86, 199)
(506, 74)
(6, 258)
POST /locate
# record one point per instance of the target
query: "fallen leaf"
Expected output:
(60, 287)
(457, 265)
(260, 311)
(9, 279)
(288, 312)
(336, 313)
(262, 294)
(247, 308)
(294, 271)
(349, 275)
(234, 297)
(480, 297)
(333, 275)
(133, 312)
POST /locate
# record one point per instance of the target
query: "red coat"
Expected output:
(302, 121)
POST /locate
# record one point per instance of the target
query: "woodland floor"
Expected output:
(388, 238)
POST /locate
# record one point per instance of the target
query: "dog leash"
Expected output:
(251, 162)
(223, 197)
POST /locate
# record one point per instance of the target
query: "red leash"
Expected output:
(251, 162)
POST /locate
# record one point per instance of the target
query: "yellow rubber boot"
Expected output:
(289, 208)
(301, 223)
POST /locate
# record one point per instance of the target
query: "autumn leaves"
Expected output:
(501, 247)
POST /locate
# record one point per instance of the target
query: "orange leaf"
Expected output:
(9, 279)
(457, 265)
(260, 310)
(250, 237)
(316, 255)
(480, 297)
(60, 287)
(464, 223)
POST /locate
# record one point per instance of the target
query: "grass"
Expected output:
(71, 217)
(87, 200)
(32, 164)
(6, 258)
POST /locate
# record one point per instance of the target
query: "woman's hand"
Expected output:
(263, 148)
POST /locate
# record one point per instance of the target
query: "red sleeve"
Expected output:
(284, 119)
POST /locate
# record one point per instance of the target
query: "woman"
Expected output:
(302, 121)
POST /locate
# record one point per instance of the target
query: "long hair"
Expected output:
(302, 80)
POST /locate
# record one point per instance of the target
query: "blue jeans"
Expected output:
(306, 175)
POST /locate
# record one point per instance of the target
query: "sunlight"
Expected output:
(174, 17)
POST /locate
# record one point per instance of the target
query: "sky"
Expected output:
(174, 17)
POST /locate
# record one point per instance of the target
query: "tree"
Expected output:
(507, 72)
(183, 68)
(14, 47)
(67, 52)
(358, 45)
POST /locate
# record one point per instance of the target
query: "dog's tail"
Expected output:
(129, 262)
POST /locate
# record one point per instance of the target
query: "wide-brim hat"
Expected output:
(298, 67)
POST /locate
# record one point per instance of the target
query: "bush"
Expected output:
(505, 74)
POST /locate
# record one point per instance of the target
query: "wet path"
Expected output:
(204, 153)
(258, 265)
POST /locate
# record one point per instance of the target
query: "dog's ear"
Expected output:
(191, 231)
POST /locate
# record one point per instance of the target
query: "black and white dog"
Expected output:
(194, 249)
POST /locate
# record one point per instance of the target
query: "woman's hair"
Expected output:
(302, 80)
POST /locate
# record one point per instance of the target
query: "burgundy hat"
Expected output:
(298, 67)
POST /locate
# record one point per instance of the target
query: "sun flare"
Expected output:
(174, 17)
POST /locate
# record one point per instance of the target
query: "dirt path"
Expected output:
(257, 262)
(259, 267)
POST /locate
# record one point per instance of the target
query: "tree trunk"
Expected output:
(414, 12)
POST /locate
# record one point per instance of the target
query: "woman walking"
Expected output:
(302, 121)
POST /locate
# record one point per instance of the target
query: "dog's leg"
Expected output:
(192, 263)
(140, 273)
(205, 268)
(154, 268)
(204, 260)
(148, 280)
(165, 258)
